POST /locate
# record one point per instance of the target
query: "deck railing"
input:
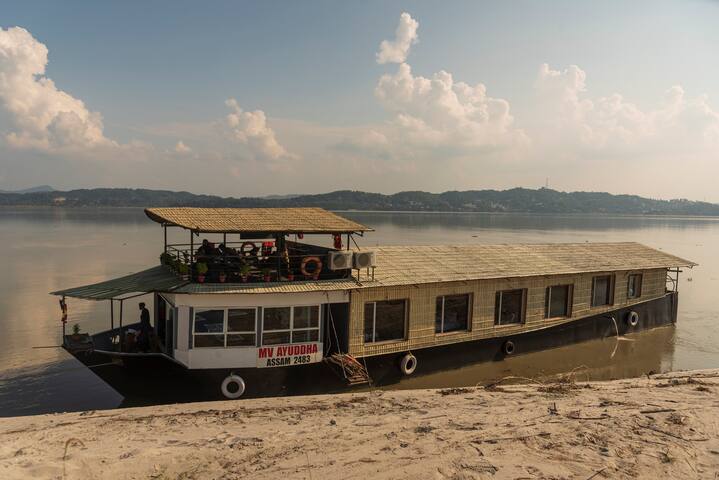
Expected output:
(251, 262)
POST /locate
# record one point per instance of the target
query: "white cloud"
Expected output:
(439, 111)
(181, 148)
(40, 115)
(395, 51)
(573, 117)
(251, 129)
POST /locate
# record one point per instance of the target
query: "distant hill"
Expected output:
(39, 188)
(525, 200)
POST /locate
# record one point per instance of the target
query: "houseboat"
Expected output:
(253, 306)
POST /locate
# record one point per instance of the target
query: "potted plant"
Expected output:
(183, 270)
(201, 268)
(266, 274)
(245, 272)
(222, 276)
(76, 332)
(166, 259)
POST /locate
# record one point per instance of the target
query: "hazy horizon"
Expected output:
(257, 99)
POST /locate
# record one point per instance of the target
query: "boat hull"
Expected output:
(144, 380)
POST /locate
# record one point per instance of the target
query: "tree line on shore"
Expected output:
(520, 200)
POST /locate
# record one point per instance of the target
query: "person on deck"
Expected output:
(143, 339)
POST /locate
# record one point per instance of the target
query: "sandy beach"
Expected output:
(662, 426)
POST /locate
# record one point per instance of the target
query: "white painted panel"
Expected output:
(238, 357)
(183, 328)
(183, 357)
(261, 299)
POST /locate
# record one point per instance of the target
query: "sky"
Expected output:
(238, 98)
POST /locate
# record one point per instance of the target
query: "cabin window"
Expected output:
(452, 313)
(384, 321)
(291, 325)
(509, 307)
(634, 285)
(602, 290)
(211, 330)
(241, 327)
(558, 301)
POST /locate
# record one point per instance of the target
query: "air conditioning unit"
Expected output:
(363, 260)
(340, 260)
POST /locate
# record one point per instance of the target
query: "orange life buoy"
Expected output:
(311, 260)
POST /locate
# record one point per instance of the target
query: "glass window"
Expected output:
(634, 285)
(306, 317)
(241, 320)
(210, 321)
(277, 318)
(298, 324)
(209, 340)
(509, 307)
(558, 301)
(385, 320)
(452, 313)
(275, 338)
(211, 331)
(602, 287)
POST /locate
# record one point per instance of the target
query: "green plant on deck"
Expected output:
(167, 259)
(245, 269)
(76, 329)
(201, 268)
(182, 268)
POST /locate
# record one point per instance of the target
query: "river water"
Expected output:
(46, 249)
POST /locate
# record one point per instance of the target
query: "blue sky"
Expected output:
(160, 73)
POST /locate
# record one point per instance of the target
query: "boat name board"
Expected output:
(288, 355)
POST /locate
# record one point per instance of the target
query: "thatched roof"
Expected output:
(413, 265)
(403, 265)
(245, 220)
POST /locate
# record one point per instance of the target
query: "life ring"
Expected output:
(632, 318)
(508, 347)
(408, 364)
(248, 252)
(230, 380)
(311, 260)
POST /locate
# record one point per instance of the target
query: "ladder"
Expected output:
(352, 371)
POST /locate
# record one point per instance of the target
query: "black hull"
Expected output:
(146, 380)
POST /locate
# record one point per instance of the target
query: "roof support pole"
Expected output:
(112, 315)
(164, 227)
(122, 334)
(192, 252)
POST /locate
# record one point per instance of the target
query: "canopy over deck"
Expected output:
(247, 220)
(155, 279)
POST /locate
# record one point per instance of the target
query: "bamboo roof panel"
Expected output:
(245, 220)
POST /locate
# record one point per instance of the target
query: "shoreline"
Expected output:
(664, 425)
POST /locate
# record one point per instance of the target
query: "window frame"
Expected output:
(468, 327)
(291, 330)
(498, 307)
(610, 294)
(548, 301)
(374, 322)
(225, 332)
(638, 290)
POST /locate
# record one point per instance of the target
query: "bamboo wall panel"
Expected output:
(421, 301)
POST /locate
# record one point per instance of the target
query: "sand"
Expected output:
(663, 426)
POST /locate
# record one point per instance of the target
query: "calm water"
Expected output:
(46, 249)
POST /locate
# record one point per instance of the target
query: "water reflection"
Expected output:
(46, 249)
